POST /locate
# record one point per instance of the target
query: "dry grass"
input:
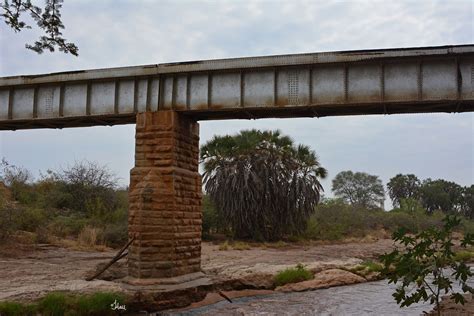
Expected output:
(89, 236)
(238, 245)
(89, 239)
(277, 245)
(225, 246)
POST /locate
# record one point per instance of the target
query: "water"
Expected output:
(372, 298)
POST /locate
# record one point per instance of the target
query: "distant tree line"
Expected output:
(447, 196)
(405, 191)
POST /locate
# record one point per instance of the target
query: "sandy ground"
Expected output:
(28, 272)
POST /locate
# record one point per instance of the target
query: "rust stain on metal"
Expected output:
(200, 106)
(217, 106)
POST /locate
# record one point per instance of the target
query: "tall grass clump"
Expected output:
(90, 236)
(292, 275)
(54, 304)
(98, 303)
(63, 304)
(16, 309)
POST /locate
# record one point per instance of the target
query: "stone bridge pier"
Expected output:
(165, 200)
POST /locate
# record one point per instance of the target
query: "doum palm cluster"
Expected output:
(262, 184)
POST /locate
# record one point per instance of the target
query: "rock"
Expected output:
(373, 276)
(450, 308)
(258, 281)
(322, 280)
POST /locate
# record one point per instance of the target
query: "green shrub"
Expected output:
(371, 266)
(464, 256)
(64, 226)
(7, 222)
(467, 226)
(212, 222)
(16, 309)
(29, 218)
(413, 223)
(335, 220)
(98, 304)
(116, 235)
(20, 217)
(292, 275)
(54, 304)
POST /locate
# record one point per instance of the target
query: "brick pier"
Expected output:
(165, 198)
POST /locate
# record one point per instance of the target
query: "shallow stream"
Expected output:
(372, 298)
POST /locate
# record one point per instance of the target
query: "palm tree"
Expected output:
(262, 184)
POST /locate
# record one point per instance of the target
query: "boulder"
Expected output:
(450, 308)
(322, 280)
(258, 281)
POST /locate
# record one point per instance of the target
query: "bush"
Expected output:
(15, 217)
(54, 304)
(464, 256)
(335, 220)
(209, 217)
(116, 235)
(372, 266)
(59, 304)
(98, 303)
(467, 226)
(7, 222)
(16, 309)
(292, 275)
(212, 222)
(64, 225)
(29, 218)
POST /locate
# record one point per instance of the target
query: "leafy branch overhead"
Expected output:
(48, 19)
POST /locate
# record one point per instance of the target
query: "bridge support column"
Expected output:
(165, 199)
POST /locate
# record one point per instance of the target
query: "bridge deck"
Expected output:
(412, 80)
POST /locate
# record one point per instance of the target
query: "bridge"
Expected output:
(166, 101)
(413, 80)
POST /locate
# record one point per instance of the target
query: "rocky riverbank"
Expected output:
(29, 272)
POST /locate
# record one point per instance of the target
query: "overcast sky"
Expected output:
(125, 33)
